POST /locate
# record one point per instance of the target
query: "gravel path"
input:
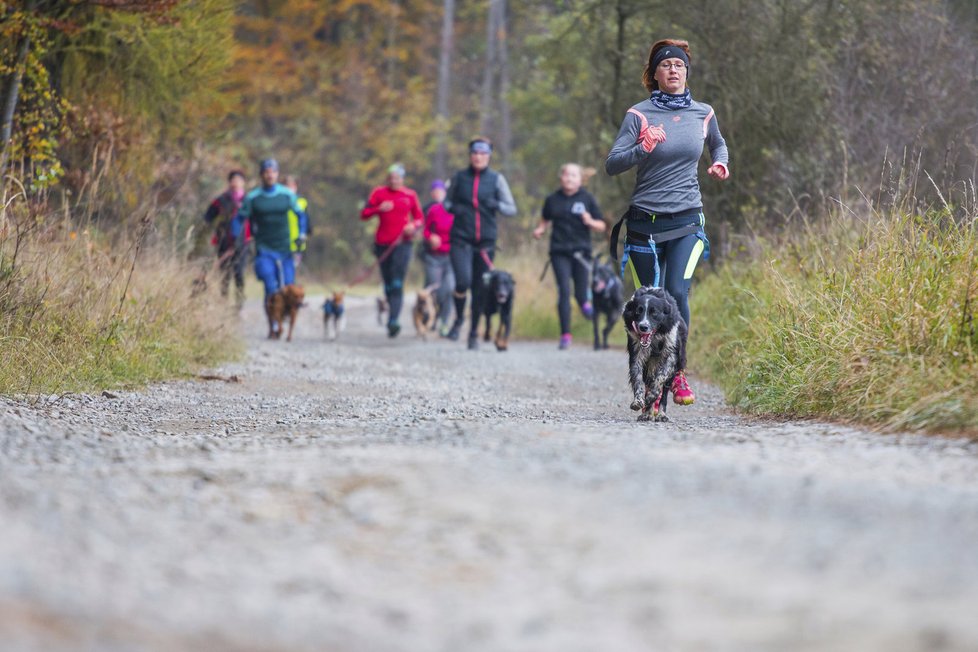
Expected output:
(370, 494)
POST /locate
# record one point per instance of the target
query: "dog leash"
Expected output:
(485, 258)
(577, 255)
(384, 255)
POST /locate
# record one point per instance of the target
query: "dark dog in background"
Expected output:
(497, 296)
(333, 311)
(656, 349)
(607, 297)
(425, 311)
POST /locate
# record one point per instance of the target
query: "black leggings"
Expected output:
(393, 269)
(469, 266)
(567, 267)
(677, 260)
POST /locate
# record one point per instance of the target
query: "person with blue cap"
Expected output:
(266, 210)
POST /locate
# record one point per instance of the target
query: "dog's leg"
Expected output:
(635, 365)
(505, 323)
(651, 410)
(607, 329)
(292, 315)
(595, 316)
(268, 315)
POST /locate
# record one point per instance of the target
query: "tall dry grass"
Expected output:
(82, 310)
(868, 318)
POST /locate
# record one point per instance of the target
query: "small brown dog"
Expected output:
(282, 305)
(382, 309)
(333, 310)
(425, 312)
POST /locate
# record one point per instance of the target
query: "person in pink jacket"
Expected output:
(437, 244)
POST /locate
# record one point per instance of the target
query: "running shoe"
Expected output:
(453, 333)
(393, 329)
(565, 341)
(473, 341)
(682, 393)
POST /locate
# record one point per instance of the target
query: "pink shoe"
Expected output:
(565, 341)
(682, 394)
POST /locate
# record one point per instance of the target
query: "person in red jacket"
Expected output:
(437, 264)
(400, 215)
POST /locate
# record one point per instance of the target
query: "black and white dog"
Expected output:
(497, 296)
(656, 349)
(607, 295)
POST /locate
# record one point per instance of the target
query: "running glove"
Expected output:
(651, 136)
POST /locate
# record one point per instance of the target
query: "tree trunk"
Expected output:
(505, 129)
(444, 86)
(390, 64)
(10, 104)
(486, 103)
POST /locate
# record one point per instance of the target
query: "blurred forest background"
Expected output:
(124, 111)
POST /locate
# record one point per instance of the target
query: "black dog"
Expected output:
(498, 288)
(607, 295)
(656, 349)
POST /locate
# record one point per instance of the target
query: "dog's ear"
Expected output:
(629, 309)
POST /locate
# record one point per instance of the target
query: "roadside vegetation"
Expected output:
(80, 312)
(866, 316)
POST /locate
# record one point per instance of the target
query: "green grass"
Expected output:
(72, 318)
(865, 320)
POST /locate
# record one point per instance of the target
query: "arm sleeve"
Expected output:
(416, 212)
(427, 222)
(300, 214)
(371, 208)
(245, 210)
(594, 209)
(507, 205)
(449, 202)
(716, 143)
(212, 211)
(546, 213)
(626, 151)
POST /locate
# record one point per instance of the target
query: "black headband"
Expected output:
(670, 52)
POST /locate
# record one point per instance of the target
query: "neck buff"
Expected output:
(671, 102)
(237, 195)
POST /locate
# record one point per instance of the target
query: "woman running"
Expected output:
(400, 215)
(663, 137)
(574, 213)
(476, 194)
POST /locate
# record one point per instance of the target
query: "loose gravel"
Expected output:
(376, 494)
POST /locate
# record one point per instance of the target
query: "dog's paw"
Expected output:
(501, 344)
(637, 404)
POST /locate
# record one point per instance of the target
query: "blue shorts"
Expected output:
(274, 269)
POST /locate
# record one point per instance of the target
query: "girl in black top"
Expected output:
(574, 214)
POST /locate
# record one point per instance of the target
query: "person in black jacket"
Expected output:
(476, 194)
(574, 213)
